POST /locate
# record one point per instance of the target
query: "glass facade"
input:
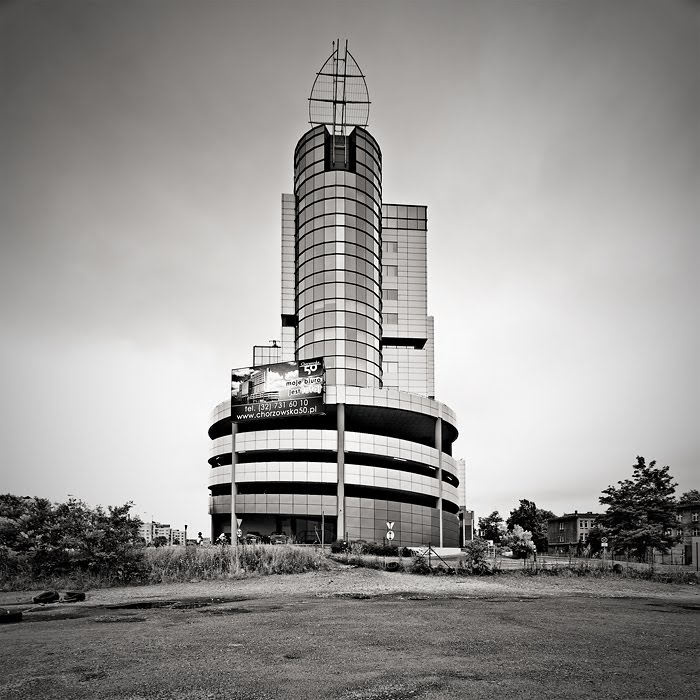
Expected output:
(338, 256)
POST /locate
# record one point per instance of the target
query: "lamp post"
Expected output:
(185, 534)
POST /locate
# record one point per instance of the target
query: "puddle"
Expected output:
(226, 611)
(143, 605)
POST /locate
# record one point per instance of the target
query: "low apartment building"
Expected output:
(569, 532)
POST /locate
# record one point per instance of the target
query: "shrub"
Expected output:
(420, 565)
(380, 550)
(475, 558)
(43, 543)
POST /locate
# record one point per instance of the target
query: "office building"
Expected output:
(375, 462)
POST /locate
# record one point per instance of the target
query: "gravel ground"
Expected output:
(359, 634)
(352, 580)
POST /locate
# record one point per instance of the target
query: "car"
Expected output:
(506, 552)
(279, 538)
(251, 538)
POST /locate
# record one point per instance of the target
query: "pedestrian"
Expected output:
(200, 539)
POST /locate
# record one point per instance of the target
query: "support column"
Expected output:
(234, 519)
(438, 447)
(340, 492)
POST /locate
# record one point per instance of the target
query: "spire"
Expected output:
(339, 97)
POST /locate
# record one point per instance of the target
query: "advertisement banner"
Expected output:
(278, 391)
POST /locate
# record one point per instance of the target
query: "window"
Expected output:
(391, 367)
(561, 527)
(391, 319)
(390, 247)
(695, 517)
(390, 294)
(390, 270)
(561, 538)
(696, 532)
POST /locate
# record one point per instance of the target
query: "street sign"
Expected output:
(390, 525)
(604, 545)
(604, 540)
(390, 535)
(239, 532)
(239, 521)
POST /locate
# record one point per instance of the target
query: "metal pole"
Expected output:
(234, 521)
(438, 447)
(323, 529)
(340, 460)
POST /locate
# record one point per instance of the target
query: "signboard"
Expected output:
(278, 391)
(390, 535)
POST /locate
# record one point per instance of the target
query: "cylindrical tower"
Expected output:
(337, 187)
(376, 462)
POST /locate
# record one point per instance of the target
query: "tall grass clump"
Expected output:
(181, 564)
(591, 570)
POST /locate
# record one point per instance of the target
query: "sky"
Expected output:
(144, 146)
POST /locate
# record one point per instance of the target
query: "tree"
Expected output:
(641, 511)
(69, 536)
(25, 522)
(520, 541)
(692, 496)
(492, 527)
(532, 519)
(595, 539)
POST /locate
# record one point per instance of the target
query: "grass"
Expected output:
(177, 564)
(174, 565)
(185, 564)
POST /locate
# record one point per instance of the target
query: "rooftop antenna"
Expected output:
(339, 97)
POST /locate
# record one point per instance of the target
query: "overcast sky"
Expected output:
(144, 146)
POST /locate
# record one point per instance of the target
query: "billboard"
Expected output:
(278, 391)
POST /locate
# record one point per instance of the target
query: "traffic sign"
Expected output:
(239, 521)
(604, 540)
(239, 532)
(604, 545)
(390, 535)
(390, 525)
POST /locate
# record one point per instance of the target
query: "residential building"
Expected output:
(149, 531)
(569, 533)
(687, 528)
(354, 297)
